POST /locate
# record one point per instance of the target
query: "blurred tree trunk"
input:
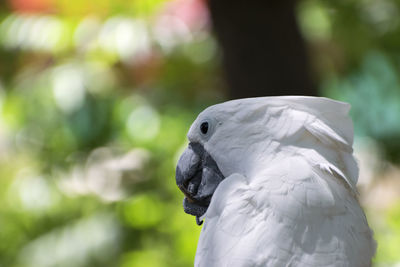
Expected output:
(263, 50)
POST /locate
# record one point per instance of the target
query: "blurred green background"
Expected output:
(96, 98)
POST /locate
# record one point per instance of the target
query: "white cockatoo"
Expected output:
(274, 179)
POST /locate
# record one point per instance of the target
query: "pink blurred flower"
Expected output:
(194, 13)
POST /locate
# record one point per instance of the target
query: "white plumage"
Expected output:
(289, 196)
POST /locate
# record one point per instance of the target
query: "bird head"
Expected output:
(241, 135)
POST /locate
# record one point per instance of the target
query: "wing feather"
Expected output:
(293, 215)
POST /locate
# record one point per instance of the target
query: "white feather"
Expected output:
(289, 198)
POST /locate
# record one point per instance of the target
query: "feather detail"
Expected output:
(275, 222)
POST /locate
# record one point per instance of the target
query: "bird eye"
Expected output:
(204, 127)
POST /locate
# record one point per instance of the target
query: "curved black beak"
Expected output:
(197, 176)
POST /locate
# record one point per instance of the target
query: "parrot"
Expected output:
(274, 181)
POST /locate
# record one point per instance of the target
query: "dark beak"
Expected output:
(197, 176)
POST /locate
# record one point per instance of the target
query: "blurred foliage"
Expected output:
(389, 236)
(96, 98)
